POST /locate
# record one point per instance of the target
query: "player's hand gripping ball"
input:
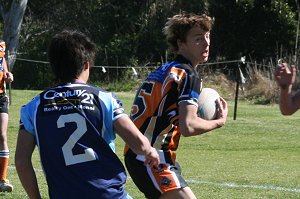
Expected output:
(207, 102)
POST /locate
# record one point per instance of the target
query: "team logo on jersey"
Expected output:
(165, 181)
(159, 169)
(78, 96)
(52, 94)
(68, 100)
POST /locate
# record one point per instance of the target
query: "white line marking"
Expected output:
(226, 184)
(234, 185)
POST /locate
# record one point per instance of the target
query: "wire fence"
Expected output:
(227, 67)
(128, 77)
(239, 71)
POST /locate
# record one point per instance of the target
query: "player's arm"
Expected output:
(288, 102)
(7, 75)
(285, 77)
(24, 150)
(190, 124)
(139, 144)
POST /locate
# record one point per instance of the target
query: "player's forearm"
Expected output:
(126, 129)
(140, 145)
(28, 179)
(198, 126)
(287, 102)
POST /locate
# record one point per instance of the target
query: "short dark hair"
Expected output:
(67, 53)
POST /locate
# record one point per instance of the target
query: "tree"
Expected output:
(254, 28)
(129, 33)
(12, 26)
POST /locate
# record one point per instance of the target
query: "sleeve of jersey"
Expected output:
(27, 113)
(189, 85)
(118, 109)
(113, 107)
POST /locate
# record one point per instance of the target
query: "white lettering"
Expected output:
(52, 94)
(54, 108)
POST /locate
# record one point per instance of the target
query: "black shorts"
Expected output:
(153, 182)
(4, 103)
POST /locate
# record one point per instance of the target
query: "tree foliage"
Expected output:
(12, 20)
(258, 29)
(129, 33)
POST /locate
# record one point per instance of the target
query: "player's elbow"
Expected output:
(286, 112)
(289, 106)
(186, 134)
(19, 164)
(194, 127)
(186, 130)
(22, 162)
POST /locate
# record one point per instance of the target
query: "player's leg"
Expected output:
(183, 193)
(4, 151)
(140, 177)
(158, 182)
(176, 187)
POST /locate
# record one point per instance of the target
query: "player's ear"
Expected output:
(179, 43)
(86, 65)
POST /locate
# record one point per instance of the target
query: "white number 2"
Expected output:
(70, 158)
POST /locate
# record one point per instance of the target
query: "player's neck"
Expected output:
(78, 80)
(83, 77)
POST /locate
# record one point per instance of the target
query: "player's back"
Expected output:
(74, 133)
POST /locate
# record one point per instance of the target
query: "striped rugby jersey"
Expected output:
(155, 108)
(2, 54)
(2, 80)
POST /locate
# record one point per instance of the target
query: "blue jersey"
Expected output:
(73, 129)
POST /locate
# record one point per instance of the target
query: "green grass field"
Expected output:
(255, 156)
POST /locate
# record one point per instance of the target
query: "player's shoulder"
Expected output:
(105, 96)
(101, 92)
(32, 104)
(180, 63)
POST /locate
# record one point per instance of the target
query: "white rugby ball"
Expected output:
(207, 105)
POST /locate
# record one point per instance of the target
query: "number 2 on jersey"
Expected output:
(70, 158)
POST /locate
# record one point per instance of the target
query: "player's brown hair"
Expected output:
(178, 26)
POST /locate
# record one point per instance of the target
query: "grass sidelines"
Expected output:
(255, 156)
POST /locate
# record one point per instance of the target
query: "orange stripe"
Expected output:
(3, 167)
(164, 178)
(180, 73)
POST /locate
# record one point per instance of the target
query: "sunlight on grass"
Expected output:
(260, 148)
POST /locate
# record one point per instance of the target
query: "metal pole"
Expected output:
(9, 83)
(297, 35)
(236, 91)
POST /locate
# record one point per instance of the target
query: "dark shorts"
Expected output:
(153, 182)
(4, 103)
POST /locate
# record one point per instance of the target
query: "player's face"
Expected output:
(196, 47)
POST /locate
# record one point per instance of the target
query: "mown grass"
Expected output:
(255, 156)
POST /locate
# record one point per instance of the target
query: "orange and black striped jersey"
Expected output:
(2, 82)
(2, 62)
(155, 108)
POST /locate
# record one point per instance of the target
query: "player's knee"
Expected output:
(3, 138)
